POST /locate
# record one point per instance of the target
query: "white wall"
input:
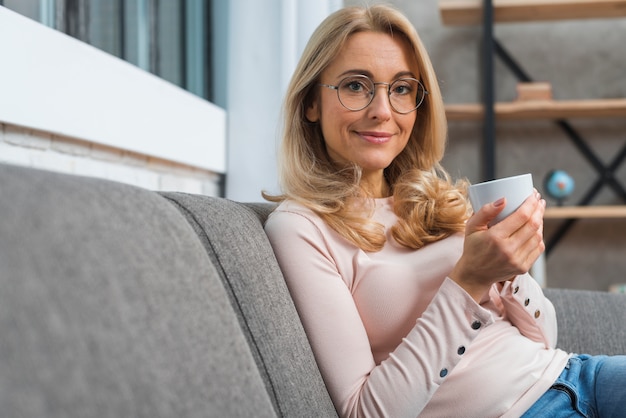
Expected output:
(46, 151)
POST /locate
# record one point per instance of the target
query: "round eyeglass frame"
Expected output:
(374, 84)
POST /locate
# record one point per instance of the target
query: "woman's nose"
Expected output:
(380, 107)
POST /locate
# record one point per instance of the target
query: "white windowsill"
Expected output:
(54, 83)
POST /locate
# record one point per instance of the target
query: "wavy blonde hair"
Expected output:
(428, 204)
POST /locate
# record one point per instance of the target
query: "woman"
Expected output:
(412, 306)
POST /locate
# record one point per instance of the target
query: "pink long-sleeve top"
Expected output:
(393, 336)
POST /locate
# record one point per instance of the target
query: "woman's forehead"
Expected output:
(374, 54)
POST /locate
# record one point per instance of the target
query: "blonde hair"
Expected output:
(429, 205)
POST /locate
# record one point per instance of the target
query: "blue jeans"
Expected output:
(589, 386)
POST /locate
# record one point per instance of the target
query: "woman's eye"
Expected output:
(355, 86)
(402, 89)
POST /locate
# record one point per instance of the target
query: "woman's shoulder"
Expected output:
(288, 208)
(290, 214)
(291, 224)
(290, 205)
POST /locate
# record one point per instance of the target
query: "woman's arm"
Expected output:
(500, 257)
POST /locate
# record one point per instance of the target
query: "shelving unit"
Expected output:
(488, 12)
(470, 12)
(560, 212)
(541, 109)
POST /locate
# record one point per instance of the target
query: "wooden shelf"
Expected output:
(565, 212)
(542, 109)
(469, 12)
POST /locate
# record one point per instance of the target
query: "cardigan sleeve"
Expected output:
(402, 384)
(529, 310)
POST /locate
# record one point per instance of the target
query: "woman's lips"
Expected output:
(375, 137)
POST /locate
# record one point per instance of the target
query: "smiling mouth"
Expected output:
(375, 137)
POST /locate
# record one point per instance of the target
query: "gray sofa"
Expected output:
(117, 301)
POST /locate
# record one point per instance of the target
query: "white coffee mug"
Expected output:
(515, 189)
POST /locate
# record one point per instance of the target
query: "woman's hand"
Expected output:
(503, 251)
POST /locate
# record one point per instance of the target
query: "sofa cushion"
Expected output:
(110, 307)
(590, 322)
(234, 238)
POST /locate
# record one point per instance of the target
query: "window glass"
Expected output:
(105, 26)
(28, 8)
(169, 60)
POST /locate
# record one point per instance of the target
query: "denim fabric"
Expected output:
(589, 386)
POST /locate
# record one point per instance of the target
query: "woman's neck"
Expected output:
(376, 187)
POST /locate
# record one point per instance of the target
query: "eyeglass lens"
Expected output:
(357, 92)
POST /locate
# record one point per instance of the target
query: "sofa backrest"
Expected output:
(110, 307)
(590, 322)
(233, 236)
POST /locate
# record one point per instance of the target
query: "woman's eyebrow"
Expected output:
(401, 74)
(356, 71)
(404, 74)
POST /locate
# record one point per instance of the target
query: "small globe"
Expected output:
(558, 184)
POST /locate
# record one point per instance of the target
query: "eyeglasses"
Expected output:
(356, 92)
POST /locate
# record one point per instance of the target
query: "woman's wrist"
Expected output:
(469, 282)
